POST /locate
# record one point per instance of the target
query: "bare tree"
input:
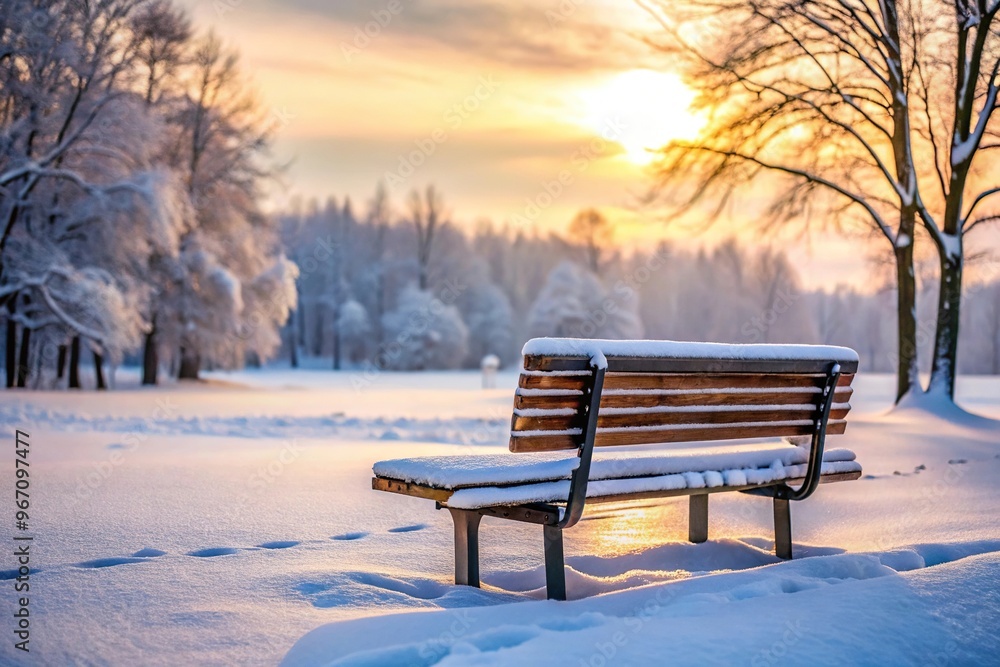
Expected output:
(594, 232)
(836, 107)
(379, 216)
(427, 215)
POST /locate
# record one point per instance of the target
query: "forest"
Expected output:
(412, 289)
(133, 160)
(135, 165)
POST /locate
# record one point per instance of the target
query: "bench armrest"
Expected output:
(578, 483)
(814, 466)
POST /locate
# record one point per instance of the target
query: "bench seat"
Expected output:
(477, 481)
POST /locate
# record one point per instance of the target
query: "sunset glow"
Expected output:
(353, 101)
(650, 108)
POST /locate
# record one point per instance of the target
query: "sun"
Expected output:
(641, 110)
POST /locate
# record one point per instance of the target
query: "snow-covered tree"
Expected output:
(354, 328)
(424, 333)
(489, 317)
(230, 270)
(573, 302)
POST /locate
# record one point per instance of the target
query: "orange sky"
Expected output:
(501, 105)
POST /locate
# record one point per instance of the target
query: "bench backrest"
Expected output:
(678, 398)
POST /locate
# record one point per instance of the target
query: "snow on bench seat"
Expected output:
(547, 492)
(486, 480)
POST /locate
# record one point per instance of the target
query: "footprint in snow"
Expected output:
(148, 553)
(213, 552)
(408, 529)
(7, 575)
(349, 536)
(99, 563)
(953, 462)
(279, 544)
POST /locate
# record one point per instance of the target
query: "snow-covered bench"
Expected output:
(580, 394)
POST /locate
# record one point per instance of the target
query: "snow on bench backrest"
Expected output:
(665, 391)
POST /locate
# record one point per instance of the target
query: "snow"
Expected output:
(452, 472)
(545, 492)
(661, 349)
(232, 522)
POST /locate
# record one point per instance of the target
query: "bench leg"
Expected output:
(698, 518)
(555, 570)
(782, 529)
(466, 546)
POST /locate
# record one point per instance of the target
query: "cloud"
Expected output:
(540, 36)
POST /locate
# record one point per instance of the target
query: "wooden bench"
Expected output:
(581, 394)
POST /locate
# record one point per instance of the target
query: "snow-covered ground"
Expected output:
(232, 522)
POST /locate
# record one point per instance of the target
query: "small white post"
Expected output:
(490, 364)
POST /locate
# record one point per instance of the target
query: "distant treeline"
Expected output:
(408, 289)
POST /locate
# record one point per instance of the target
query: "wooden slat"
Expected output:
(550, 381)
(541, 443)
(710, 417)
(547, 423)
(713, 381)
(563, 422)
(613, 400)
(522, 402)
(695, 434)
(408, 489)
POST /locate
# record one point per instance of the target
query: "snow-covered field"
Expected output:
(232, 522)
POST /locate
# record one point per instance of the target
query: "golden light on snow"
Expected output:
(642, 110)
(617, 529)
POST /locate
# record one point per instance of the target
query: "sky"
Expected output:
(521, 113)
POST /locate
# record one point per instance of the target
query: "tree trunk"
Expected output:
(907, 371)
(61, 362)
(300, 328)
(907, 378)
(945, 362)
(379, 307)
(317, 350)
(150, 358)
(336, 339)
(293, 340)
(99, 371)
(74, 363)
(23, 357)
(10, 356)
(190, 365)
